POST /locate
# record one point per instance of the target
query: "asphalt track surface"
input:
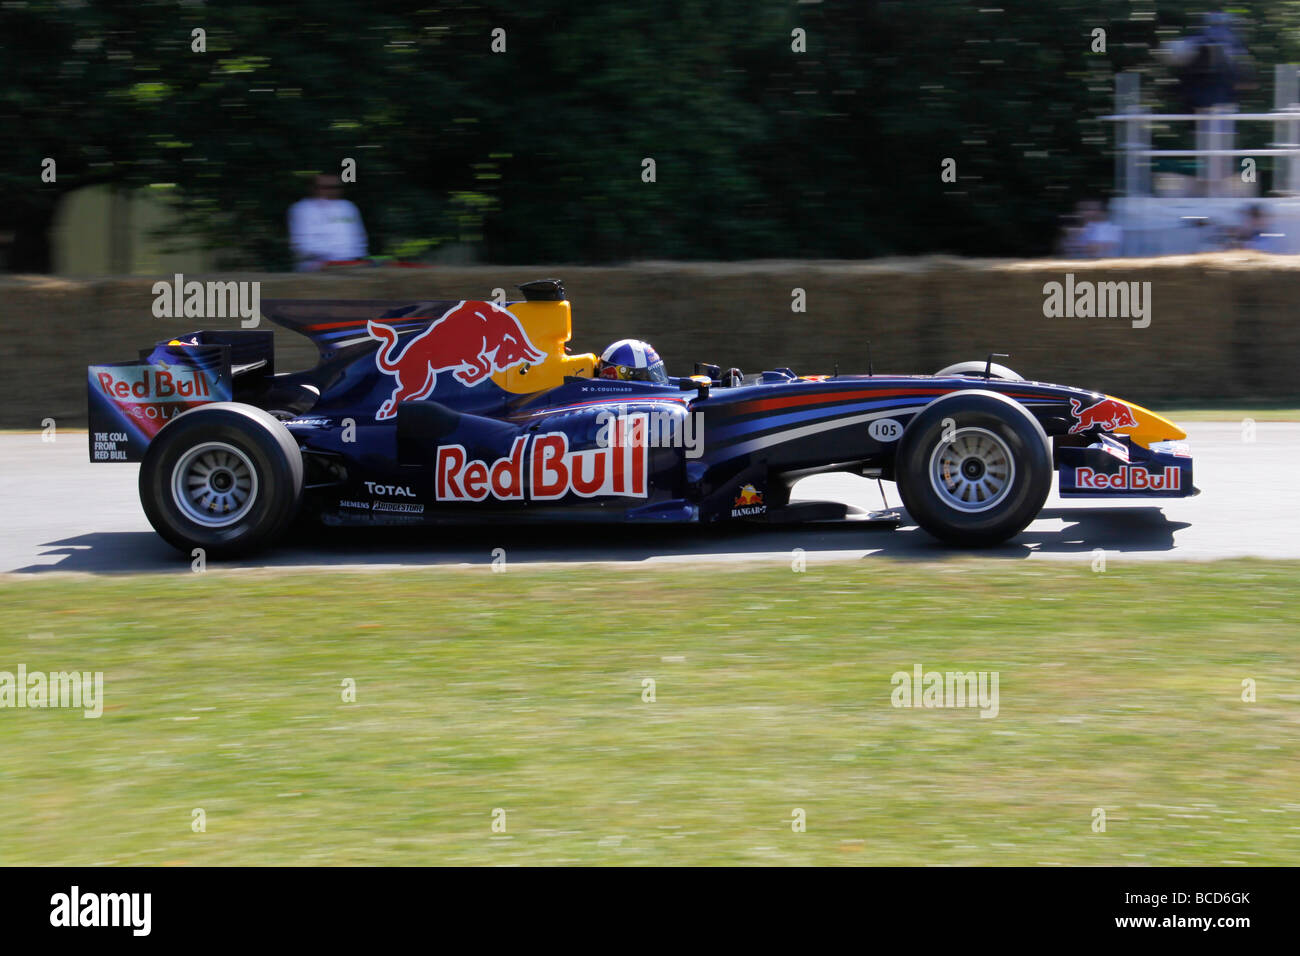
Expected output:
(61, 513)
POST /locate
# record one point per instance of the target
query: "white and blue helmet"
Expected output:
(632, 360)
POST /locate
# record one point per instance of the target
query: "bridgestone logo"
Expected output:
(398, 507)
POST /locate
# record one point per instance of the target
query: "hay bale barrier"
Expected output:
(1223, 326)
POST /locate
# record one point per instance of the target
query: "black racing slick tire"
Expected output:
(225, 477)
(974, 468)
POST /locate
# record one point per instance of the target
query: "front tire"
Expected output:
(974, 468)
(224, 477)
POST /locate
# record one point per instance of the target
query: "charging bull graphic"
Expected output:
(1108, 414)
(472, 340)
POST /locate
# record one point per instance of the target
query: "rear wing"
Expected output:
(337, 325)
(129, 402)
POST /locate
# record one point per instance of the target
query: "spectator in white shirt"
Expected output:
(1100, 238)
(325, 227)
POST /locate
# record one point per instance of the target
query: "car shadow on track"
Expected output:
(1130, 529)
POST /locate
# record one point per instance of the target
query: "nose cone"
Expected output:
(1150, 427)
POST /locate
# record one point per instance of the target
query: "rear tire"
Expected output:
(974, 468)
(224, 477)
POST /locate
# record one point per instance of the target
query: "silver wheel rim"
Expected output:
(972, 472)
(214, 484)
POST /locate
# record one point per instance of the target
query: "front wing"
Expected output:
(1121, 468)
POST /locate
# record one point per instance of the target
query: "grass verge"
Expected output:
(524, 691)
(1202, 413)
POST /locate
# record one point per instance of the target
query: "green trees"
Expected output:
(536, 153)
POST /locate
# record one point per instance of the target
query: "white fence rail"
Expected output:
(1159, 218)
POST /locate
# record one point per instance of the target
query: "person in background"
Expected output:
(1212, 66)
(1067, 242)
(1099, 238)
(1256, 233)
(325, 227)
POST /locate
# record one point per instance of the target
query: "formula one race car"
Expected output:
(469, 412)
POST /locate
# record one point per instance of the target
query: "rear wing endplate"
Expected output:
(129, 402)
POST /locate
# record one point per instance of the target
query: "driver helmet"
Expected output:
(631, 360)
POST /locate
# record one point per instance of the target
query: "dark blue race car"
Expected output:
(473, 412)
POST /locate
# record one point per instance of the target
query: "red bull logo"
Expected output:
(1129, 478)
(1108, 414)
(551, 468)
(471, 340)
(749, 501)
(153, 384)
(151, 396)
